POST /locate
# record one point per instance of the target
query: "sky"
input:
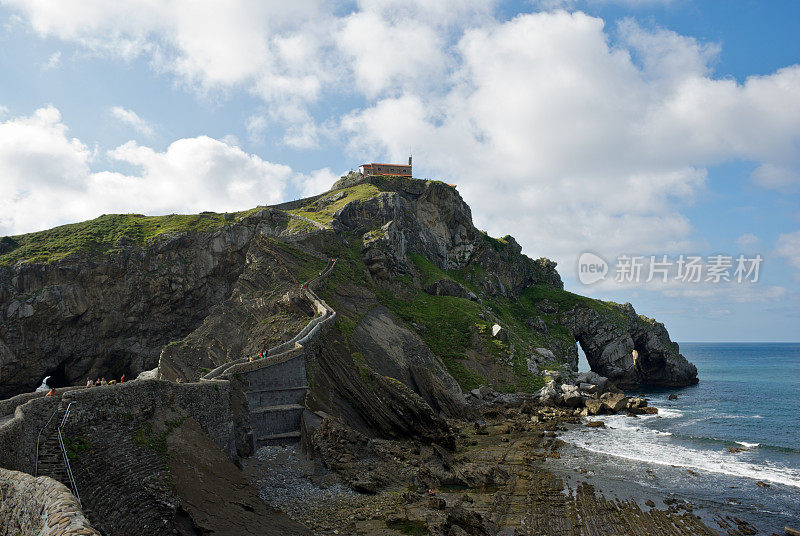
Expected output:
(641, 133)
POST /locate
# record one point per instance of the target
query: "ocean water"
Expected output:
(748, 398)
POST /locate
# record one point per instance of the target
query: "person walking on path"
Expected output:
(122, 379)
(51, 392)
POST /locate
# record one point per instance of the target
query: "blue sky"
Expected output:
(621, 127)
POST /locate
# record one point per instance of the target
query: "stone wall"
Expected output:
(207, 403)
(18, 436)
(122, 471)
(39, 507)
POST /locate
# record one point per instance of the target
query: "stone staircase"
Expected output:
(49, 456)
(51, 460)
(276, 397)
(277, 384)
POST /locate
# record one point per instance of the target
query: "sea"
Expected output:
(748, 399)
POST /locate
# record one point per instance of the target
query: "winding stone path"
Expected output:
(277, 383)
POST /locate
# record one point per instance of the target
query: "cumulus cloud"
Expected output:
(130, 118)
(276, 50)
(576, 144)
(286, 53)
(48, 177)
(776, 177)
(747, 241)
(569, 134)
(789, 248)
(53, 61)
(316, 182)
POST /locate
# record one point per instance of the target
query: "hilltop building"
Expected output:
(386, 169)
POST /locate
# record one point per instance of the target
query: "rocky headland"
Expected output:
(447, 360)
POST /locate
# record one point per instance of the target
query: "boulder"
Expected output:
(545, 354)
(596, 424)
(637, 402)
(484, 393)
(532, 366)
(547, 395)
(593, 406)
(537, 324)
(499, 333)
(589, 388)
(614, 402)
(572, 399)
(448, 287)
(593, 378)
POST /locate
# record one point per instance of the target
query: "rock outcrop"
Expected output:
(40, 506)
(629, 349)
(226, 286)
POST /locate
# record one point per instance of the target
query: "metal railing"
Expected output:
(310, 329)
(61, 445)
(66, 456)
(38, 439)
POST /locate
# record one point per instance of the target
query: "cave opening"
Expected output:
(58, 377)
(583, 362)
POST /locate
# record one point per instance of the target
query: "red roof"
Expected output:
(395, 165)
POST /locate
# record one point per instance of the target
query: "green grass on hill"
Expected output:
(323, 209)
(101, 235)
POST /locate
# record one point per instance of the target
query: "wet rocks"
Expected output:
(614, 402)
(594, 406)
(571, 397)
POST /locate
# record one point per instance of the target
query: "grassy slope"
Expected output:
(322, 210)
(101, 235)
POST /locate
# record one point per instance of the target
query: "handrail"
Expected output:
(66, 457)
(303, 335)
(38, 437)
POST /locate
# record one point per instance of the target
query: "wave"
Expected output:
(629, 440)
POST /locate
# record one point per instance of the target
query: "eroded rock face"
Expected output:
(609, 342)
(85, 317)
(431, 219)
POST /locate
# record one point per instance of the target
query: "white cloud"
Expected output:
(730, 293)
(276, 50)
(747, 240)
(47, 178)
(53, 61)
(571, 135)
(789, 248)
(567, 141)
(256, 125)
(572, 4)
(288, 54)
(776, 177)
(316, 182)
(130, 118)
(392, 54)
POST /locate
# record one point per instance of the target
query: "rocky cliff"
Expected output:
(428, 305)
